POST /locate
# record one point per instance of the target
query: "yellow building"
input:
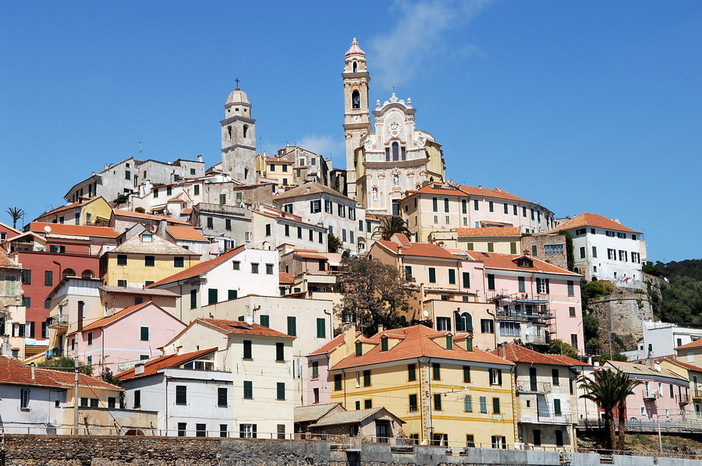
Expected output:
(434, 208)
(143, 259)
(693, 373)
(503, 240)
(448, 393)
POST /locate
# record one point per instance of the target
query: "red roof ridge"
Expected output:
(200, 268)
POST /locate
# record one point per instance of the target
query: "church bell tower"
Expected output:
(239, 138)
(356, 114)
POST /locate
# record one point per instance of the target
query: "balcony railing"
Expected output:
(58, 322)
(651, 394)
(683, 399)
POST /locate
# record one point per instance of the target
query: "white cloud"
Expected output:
(418, 32)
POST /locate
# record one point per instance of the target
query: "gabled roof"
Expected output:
(692, 344)
(495, 260)
(157, 245)
(238, 327)
(641, 370)
(309, 189)
(488, 232)
(137, 291)
(684, 365)
(416, 249)
(15, 372)
(73, 230)
(164, 362)
(353, 417)
(285, 278)
(497, 192)
(415, 342)
(199, 269)
(129, 213)
(516, 353)
(336, 342)
(185, 233)
(593, 220)
(428, 189)
(109, 320)
(313, 412)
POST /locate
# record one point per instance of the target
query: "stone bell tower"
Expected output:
(239, 138)
(356, 114)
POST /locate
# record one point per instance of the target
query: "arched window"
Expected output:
(229, 132)
(468, 319)
(464, 322)
(68, 273)
(246, 173)
(355, 67)
(87, 274)
(245, 130)
(395, 151)
(355, 99)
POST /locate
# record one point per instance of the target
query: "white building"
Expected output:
(321, 205)
(661, 338)
(605, 249)
(236, 273)
(272, 228)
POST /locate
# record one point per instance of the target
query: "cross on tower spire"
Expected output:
(237, 82)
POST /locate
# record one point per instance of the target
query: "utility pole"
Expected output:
(75, 397)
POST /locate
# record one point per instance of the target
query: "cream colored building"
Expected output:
(504, 240)
(434, 208)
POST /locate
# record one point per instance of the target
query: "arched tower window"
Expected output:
(246, 173)
(229, 131)
(387, 154)
(395, 151)
(245, 130)
(355, 99)
(355, 67)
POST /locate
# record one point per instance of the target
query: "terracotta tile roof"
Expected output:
(495, 260)
(61, 209)
(417, 249)
(684, 365)
(157, 245)
(309, 189)
(593, 220)
(137, 291)
(185, 233)
(336, 342)
(692, 344)
(164, 362)
(105, 321)
(440, 191)
(73, 230)
(418, 341)
(307, 255)
(285, 278)
(488, 232)
(14, 372)
(497, 192)
(643, 370)
(238, 327)
(129, 213)
(311, 413)
(199, 269)
(516, 353)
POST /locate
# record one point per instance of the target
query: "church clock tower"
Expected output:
(356, 115)
(239, 138)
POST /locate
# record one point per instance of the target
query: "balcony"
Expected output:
(683, 399)
(58, 322)
(538, 387)
(651, 395)
(696, 391)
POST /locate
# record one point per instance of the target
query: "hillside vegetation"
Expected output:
(680, 299)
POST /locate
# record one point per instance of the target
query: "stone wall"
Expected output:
(541, 239)
(622, 312)
(31, 450)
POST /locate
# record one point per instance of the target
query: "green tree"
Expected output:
(609, 389)
(15, 213)
(333, 243)
(570, 255)
(373, 294)
(66, 363)
(389, 226)
(561, 347)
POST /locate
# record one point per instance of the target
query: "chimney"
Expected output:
(139, 368)
(199, 157)
(381, 328)
(32, 369)
(162, 228)
(350, 339)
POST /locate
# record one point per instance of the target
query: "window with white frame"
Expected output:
(510, 329)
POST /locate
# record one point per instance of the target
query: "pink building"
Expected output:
(130, 335)
(535, 301)
(319, 362)
(663, 394)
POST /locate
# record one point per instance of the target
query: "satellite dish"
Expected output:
(426, 313)
(47, 229)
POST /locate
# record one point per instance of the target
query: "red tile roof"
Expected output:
(593, 220)
(307, 255)
(185, 233)
(73, 230)
(129, 213)
(692, 344)
(416, 341)
(417, 249)
(516, 353)
(497, 192)
(164, 362)
(199, 269)
(285, 278)
(105, 321)
(14, 372)
(440, 191)
(238, 327)
(495, 260)
(684, 365)
(488, 232)
(336, 342)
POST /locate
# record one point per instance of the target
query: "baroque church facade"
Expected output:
(384, 162)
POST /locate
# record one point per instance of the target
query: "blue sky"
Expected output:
(581, 106)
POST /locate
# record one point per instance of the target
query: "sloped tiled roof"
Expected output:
(684, 365)
(333, 344)
(692, 344)
(507, 261)
(497, 192)
(593, 220)
(129, 213)
(157, 245)
(416, 341)
(73, 230)
(311, 413)
(308, 189)
(199, 269)
(238, 327)
(417, 249)
(439, 191)
(285, 278)
(516, 353)
(14, 372)
(164, 362)
(351, 417)
(185, 233)
(488, 232)
(634, 369)
(105, 321)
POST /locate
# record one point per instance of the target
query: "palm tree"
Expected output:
(16, 213)
(609, 389)
(389, 226)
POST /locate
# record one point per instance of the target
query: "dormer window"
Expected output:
(147, 238)
(359, 348)
(449, 341)
(525, 262)
(384, 343)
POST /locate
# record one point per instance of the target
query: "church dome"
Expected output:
(238, 97)
(355, 49)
